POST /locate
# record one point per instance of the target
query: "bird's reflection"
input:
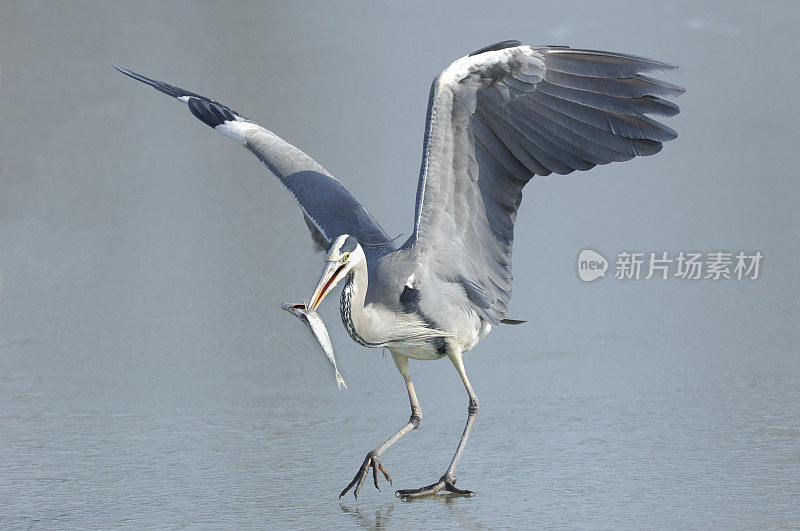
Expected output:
(378, 517)
(459, 511)
(372, 517)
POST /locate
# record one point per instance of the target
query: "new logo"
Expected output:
(591, 265)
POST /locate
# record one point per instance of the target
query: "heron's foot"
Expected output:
(446, 482)
(371, 461)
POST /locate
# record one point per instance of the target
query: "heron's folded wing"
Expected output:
(506, 113)
(329, 209)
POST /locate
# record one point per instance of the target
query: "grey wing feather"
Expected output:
(328, 208)
(506, 113)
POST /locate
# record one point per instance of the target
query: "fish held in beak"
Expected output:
(317, 327)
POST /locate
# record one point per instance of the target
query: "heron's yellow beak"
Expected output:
(329, 278)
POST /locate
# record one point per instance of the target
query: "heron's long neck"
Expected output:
(355, 318)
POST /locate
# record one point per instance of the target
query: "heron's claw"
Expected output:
(374, 462)
(445, 482)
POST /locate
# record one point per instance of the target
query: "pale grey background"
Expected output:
(148, 376)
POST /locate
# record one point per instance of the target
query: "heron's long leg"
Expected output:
(448, 480)
(416, 411)
(373, 458)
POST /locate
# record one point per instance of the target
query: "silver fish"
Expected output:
(314, 323)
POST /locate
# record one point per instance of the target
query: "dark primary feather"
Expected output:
(170, 90)
(209, 112)
(599, 64)
(536, 111)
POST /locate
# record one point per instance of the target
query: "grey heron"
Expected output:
(496, 118)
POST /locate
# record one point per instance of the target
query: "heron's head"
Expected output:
(343, 254)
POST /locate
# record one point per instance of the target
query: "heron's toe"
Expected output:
(445, 482)
(371, 461)
(450, 487)
(427, 490)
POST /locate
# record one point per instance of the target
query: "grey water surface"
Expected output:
(150, 379)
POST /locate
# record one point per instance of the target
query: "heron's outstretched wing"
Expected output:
(506, 113)
(329, 209)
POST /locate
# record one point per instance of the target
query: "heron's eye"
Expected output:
(346, 257)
